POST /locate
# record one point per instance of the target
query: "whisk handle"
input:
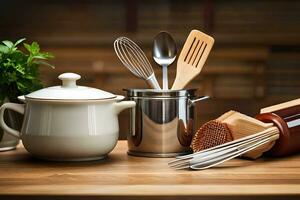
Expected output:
(152, 82)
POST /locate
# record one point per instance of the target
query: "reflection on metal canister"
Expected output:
(163, 122)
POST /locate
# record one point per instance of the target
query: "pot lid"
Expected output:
(70, 91)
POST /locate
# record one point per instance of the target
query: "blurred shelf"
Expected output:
(255, 60)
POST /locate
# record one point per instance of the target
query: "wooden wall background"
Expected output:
(255, 61)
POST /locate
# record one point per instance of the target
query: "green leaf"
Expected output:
(20, 69)
(21, 85)
(27, 46)
(40, 57)
(35, 48)
(30, 77)
(8, 43)
(47, 55)
(40, 62)
(32, 48)
(4, 49)
(44, 56)
(19, 41)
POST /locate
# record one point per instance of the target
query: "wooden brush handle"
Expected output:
(289, 140)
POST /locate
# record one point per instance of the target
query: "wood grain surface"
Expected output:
(120, 175)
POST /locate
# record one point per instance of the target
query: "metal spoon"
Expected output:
(164, 53)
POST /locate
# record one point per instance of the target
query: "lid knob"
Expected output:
(69, 79)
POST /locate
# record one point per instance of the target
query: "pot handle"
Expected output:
(119, 106)
(20, 108)
(191, 102)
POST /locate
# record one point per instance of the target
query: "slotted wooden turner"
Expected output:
(192, 58)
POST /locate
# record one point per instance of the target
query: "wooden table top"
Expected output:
(23, 177)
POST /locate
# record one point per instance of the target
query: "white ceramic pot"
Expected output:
(68, 122)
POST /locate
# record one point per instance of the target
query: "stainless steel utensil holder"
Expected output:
(163, 122)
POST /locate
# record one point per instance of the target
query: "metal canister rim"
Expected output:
(152, 93)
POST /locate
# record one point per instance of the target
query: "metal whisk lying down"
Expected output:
(216, 155)
(133, 57)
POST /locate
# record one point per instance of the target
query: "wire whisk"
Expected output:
(216, 155)
(133, 57)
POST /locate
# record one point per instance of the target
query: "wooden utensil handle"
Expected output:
(179, 83)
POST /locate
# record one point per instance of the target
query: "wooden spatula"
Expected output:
(192, 58)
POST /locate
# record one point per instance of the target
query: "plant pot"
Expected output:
(14, 120)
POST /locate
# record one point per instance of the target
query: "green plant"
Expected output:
(19, 70)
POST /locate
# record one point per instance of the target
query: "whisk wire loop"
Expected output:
(133, 57)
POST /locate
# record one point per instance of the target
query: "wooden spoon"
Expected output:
(192, 58)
